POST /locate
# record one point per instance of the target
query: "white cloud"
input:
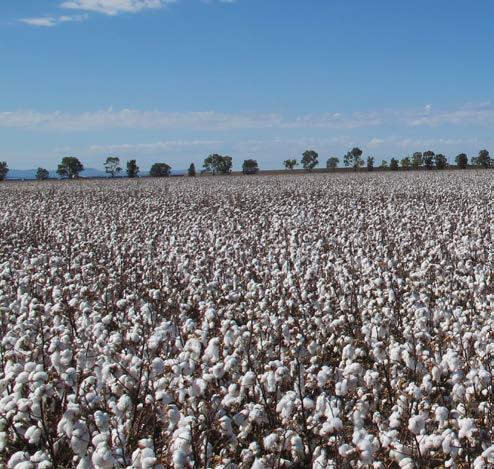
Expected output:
(153, 147)
(51, 21)
(129, 118)
(114, 7)
(210, 120)
(46, 22)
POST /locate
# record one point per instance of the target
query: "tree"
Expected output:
(370, 163)
(250, 167)
(218, 164)
(70, 167)
(441, 161)
(354, 158)
(417, 160)
(290, 164)
(112, 166)
(310, 159)
(4, 169)
(192, 170)
(42, 174)
(393, 165)
(406, 163)
(483, 160)
(160, 170)
(332, 163)
(384, 164)
(461, 161)
(428, 159)
(132, 169)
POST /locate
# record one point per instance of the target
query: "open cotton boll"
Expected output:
(18, 458)
(33, 434)
(466, 427)
(416, 424)
(249, 379)
(271, 442)
(218, 370)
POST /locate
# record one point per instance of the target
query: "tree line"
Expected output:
(427, 160)
(70, 167)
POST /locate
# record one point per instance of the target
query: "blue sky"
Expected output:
(173, 81)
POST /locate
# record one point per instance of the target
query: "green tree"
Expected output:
(384, 164)
(250, 167)
(417, 160)
(218, 164)
(160, 170)
(290, 163)
(112, 166)
(70, 167)
(354, 158)
(332, 163)
(406, 163)
(310, 159)
(4, 169)
(441, 161)
(428, 158)
(192, 170)
(370, 163)
(132, 169)
(42, 174)
(483, 160)
(393, 165)
(461, 160)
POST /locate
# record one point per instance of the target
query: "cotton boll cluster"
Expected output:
(233, 322)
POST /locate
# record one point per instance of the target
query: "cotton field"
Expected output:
(317, 320)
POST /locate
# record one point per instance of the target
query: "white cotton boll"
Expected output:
(249, 379)
(271, 442)
(297, 446)
(270, 381)
(148, 462)
(323, 376)
(158, 365)
(345, 450)
(17, 458)
(79, 440)
(258, 464)
(485, 460)
(212, 352)
(124, 403)
(179, 459)
(121, 304)
(332, 425)
(210, 314)
(25, 465)
(218, 370)
(416, 424)
(173, 418)
(33, 434)
(467, 427)
(321, 461)
(102, 457)
(441, 414)
(341, 388)
(407, 463)
(102, 420)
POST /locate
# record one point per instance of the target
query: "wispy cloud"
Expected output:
(46, 22)
(153, 147)
(210, 120)
(51, 21)
(114, 7)
(105, 7)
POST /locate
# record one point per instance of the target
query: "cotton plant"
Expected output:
(306, 321)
